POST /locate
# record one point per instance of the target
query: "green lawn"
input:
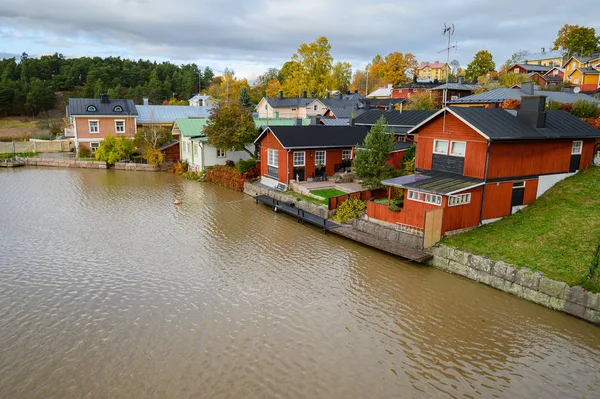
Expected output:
(328, 193)
(556, 235)
(306, 198)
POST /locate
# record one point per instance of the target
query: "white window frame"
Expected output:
(298, 164)
(315, 107)
(348, 153)
(92, 149)
(221, 153)
(435, 145)
(97, 126)
(317, 153)
(419, 196)
(196, 149)
(519, 184)
(576, 147)
(273, 158)
(576, 81)
(460, 199)
(516, 70)
(117, 128)
(458, 155)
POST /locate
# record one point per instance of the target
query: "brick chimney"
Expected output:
(104, 98)
(281, 94)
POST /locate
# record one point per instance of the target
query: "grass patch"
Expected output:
(303, 197)
(556, 235)
(20, 154)
(328, 192)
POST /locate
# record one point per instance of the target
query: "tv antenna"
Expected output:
(448, 30)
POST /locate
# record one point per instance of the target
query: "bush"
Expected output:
(113, 150)
(154, 156)
(350, 209)
(244, 165)
(43, 136)
(225, 176)
(230, 163)
(585, 109)
(179, 168)
(84, 152)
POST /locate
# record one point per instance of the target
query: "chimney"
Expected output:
(303, 93)
(313, 94)
(104, 99)
(145, 101)
(298, 122)
(315, 120)
(527, 88)
(356, 91)
(533, 111)
(340, 96)
(415, 78)
(347, 92)
(281, 94)
(328, 95)
(437, 62)
(390, 107)
(367, 104)
(461, 80)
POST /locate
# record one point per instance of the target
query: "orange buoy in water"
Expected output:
(176, 202)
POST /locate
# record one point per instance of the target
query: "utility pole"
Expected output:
(199, 80)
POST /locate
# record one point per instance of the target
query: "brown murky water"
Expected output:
(107, 290)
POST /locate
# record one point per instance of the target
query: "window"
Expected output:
(319, 157)
(120, 126)
(518, 184)
(424, 197)
(573, 65)
(315, 107)
(460, 199)
(91, 108)
(576, 81)
(273, 158)
(299, 158)
(265, 106)
(94, 126)
(346, 154)
(516, 70)
(220, 153)
(118, 108)
(94, 147)
(555, 72)
(293, 109)
(576, 148)
(458, 148)
(196, 147)
(440, 147)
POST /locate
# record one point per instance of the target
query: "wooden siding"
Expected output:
(531, 187)
(395, 159)
(333, 156)
(513, 159)
(587, 154)
(497, 200)
(365, 195)
(106, 127)
(171, 154)
(475, 153)
(269, 141)
(463, 216)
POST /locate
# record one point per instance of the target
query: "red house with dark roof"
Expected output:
(478, 164)
(306, 152)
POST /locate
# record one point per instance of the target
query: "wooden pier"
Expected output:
(402, 251)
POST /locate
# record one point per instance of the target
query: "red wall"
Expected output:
(269, 141)
(476, 144)
(498, 197)
(396, 159)
(463, 216)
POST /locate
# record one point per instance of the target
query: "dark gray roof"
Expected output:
(589, 71)
(393, 118)
(459, 86)
(502, 94)
(346, 112)
(277, 102)
(552, 79)
(327, 121)
(420, 85)
(532, 67)
(340, 103)
(403, 145)
(79, 106)
(381, 102)
(434, 182)
(501, 124)
(168, 144)
(317, 136)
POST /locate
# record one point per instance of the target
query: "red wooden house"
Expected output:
(306, 152)
(479, 164)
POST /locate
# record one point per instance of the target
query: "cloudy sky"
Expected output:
(253, 35)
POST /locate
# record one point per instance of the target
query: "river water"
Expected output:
(108, 290)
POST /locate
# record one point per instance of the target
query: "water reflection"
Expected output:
(108, 290)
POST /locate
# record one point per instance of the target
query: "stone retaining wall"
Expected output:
(386, 233)
(137, 166)
(64, 163)
(254, 189)
(522, 282)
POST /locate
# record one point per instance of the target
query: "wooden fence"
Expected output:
(16, 147)
(364, 195)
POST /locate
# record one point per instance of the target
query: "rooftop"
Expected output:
(95, 107)
(434, 182)
(502, 94)
(317, 136)
(406, 118)
(169, 113)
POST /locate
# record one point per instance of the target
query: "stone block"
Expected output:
(439, 262)
(392, 235)
(592, 316)
(459, 256)
(536, 297)
(510, 274)
(499, 269)
(458, 268)
(498, 283)
(556, 303)
(577, 295)
(514, 289)
(481, 263)
(556, 289)
(441, 250)
(574, 309)
(528, 279)
(593, 301)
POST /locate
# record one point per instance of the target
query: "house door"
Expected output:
(518, 193)
(298, 174)
(432, 233)
(574, 165)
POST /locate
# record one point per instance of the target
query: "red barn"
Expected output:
(479, 164)
(306, 152)
(170, 151)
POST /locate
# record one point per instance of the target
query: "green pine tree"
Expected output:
(244, 98)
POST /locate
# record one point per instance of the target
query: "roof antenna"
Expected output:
(448, 30)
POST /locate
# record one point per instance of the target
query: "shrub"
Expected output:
(350, 209)
(112, 150)
(179, 168)
(230, 163)
(154, 156)
(84, 152)
(225, 176)
(244, 165)
(43, 136)
(585, 109)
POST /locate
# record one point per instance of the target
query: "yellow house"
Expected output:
(545, 58)
(582, 71)
(432, 71)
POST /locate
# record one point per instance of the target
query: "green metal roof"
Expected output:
(201, 139)
(191, 127)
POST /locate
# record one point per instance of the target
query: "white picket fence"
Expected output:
(34, 146)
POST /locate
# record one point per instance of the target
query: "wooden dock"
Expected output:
(402, 251)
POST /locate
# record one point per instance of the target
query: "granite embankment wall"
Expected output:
(137, 166)
(522, 282)
(254, 189)
(64, 163)
(388, 233)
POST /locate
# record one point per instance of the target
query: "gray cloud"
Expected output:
(250, 36)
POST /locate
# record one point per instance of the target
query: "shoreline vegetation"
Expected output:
(557, 235)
